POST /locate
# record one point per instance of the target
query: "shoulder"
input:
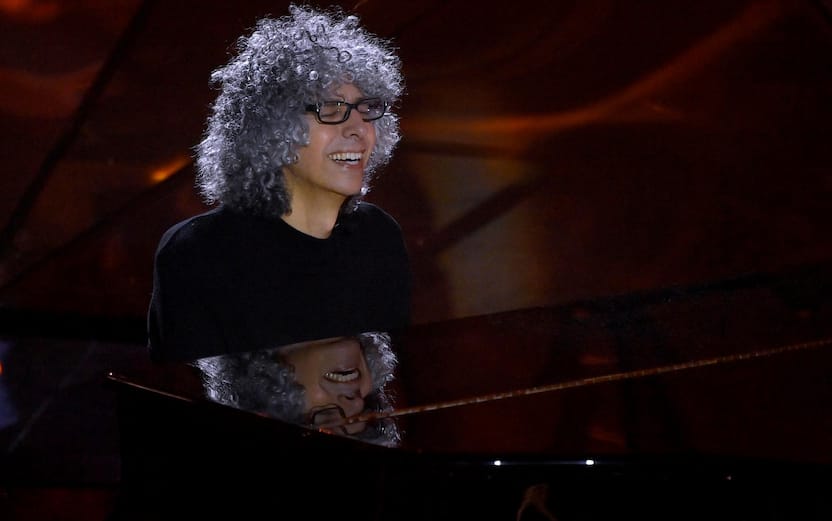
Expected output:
(373, 217)
(195, 234)
(188, 229)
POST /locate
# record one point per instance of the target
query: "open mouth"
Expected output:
(349, 158)
(342, 376)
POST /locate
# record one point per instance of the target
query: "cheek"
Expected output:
(316, 396)
(372, 136)
(318, 140)
(366, 387)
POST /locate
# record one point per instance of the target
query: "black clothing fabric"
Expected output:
(226, 282)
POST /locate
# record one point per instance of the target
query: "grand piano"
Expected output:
(709, 402)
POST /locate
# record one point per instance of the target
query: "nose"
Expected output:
(355, 126)
(351, 402)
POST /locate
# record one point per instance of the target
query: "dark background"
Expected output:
(552, 152)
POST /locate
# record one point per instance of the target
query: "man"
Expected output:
(291, 253)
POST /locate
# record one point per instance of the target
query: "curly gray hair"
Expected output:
(257, 122)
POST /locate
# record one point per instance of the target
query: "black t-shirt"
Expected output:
(226, 282)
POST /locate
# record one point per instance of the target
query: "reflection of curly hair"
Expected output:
(257, 122)
(260, 382)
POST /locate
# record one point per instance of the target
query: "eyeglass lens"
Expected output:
(338, 111)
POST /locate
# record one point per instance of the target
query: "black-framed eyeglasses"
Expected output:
(329, 417)
(333, 418)
(334, 112)
(326, 416)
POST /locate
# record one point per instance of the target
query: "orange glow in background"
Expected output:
(168, 169)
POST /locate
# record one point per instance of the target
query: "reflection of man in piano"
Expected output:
(318, 383)
(302, 122)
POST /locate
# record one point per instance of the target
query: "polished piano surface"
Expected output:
(713, 402)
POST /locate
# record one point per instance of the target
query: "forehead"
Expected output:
(346, 91)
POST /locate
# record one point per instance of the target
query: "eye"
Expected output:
(348, 375)
(331, 108)
(372, 106)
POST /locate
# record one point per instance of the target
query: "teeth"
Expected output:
(342, 376)
(345, 156)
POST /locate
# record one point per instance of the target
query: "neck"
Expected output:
(317, 222)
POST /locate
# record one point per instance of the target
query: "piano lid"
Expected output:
(737, 370)
(741, 374)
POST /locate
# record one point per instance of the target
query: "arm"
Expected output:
(182, 325)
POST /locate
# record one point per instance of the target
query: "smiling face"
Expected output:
(333, 372)
(330, 168)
